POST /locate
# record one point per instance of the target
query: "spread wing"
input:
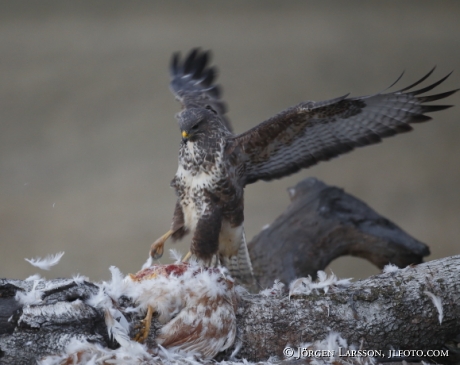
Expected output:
(192, 82)
(311, 132)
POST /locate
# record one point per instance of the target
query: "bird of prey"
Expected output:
(215, 164)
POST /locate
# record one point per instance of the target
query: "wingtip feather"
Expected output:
(417, 82)
(432, 86)
(174, 65)
(189, 61)
(425, 99)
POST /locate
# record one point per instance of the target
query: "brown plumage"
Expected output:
(215, 165)
(196, 307)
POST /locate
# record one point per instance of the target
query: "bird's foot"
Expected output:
(186, 258)
(157, 249)
(144, 326)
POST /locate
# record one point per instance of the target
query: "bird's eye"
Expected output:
(195, 127)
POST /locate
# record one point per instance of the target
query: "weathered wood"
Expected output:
(386, 311)
(29, 332)
(321, 224)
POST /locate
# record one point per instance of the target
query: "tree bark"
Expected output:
(391, 310)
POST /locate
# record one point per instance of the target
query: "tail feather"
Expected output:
(240, 266)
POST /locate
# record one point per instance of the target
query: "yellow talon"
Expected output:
(187, 257)
(145, 324)
(157, 249)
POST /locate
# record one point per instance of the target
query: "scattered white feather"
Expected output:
(95, 300)
(47, 262)
(34, 296)
(117, 280)
(175, 255)
(108, 291)
(131, 310)
(237, 349)
(117, 324)
(304, 286)
(34, 277)
(117, 330)
(241, 290)
(275, 291)
(437, 303)
(148, 263)
(51, 285)
(390, 268)
(79, 279)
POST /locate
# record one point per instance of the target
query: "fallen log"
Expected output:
(394, 310)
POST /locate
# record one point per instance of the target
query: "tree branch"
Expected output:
(321, 224)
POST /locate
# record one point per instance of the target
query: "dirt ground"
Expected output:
(88, 139)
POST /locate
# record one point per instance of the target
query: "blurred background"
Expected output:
(89, 143)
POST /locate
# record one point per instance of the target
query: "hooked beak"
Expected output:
(185, 136)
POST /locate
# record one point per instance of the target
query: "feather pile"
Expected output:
(195, 305)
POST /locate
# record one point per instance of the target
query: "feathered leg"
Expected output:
(205, 242)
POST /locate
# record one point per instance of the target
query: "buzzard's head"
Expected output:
(195, 123)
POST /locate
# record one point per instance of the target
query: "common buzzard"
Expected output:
(215, 164)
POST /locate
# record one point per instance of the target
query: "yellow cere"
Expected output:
(184, 134)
